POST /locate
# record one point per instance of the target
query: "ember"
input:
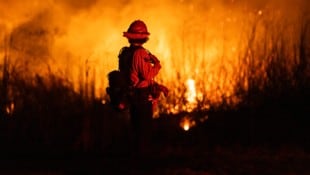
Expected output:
(9, 109)
(186, 123)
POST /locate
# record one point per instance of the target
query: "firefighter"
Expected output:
(139, 67)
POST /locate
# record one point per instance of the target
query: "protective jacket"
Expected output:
(144, 68)
(139, 65)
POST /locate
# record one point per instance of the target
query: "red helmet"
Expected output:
(137, 30)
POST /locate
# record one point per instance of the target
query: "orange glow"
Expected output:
(205, 40)
(9, 109)
(186, 126)
(191, 91)
(186, 123)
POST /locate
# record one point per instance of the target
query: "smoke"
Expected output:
(86, 21)
(74, 36)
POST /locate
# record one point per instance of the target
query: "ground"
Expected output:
(220, 146)
(170, 160)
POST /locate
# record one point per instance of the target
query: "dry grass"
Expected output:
(266, 133)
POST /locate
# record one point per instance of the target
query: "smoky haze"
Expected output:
(74, 36)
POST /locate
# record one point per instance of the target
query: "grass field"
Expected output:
(246, 96)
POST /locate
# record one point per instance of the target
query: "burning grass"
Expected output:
(245, 77)
(224, 49)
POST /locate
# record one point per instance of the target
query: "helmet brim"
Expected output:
(136, 35)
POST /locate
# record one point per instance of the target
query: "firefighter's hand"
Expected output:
(151, 98)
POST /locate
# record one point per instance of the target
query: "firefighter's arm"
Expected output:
(147, 69)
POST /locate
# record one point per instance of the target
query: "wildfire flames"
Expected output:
(201, 44)
(186, 123)
(10, 108)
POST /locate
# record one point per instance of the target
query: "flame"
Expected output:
(9, 109)
(186, 123)
(191, 91)
(191, 95)
(186, 126)
(81, 41)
